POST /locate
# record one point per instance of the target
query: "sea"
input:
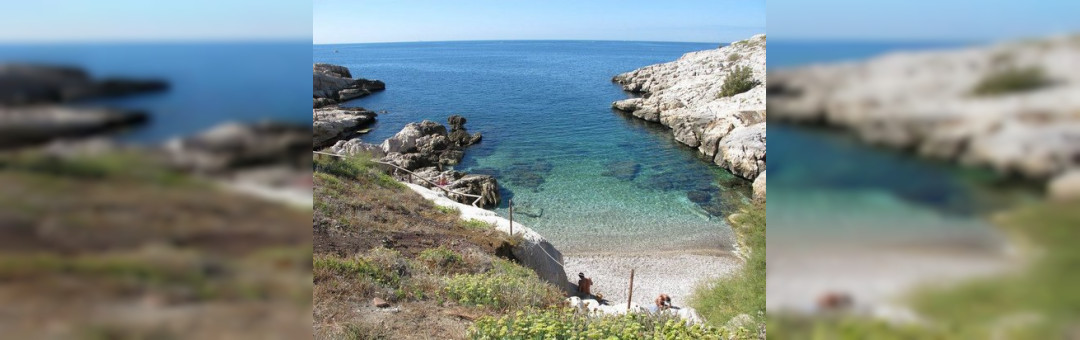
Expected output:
(210, 83)
(588, 178)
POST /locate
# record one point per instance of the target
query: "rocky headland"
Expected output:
(1012, 107)
(34, 98)
(333, 84)
(686, 96)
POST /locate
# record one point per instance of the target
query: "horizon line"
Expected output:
(494, 40)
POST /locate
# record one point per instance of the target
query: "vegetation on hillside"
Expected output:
(744, 292)
(375, 239)
(119, 232)
(1011, 80)
(740, 80)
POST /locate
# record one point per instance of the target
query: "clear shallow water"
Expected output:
(550, 136)
(210, 83)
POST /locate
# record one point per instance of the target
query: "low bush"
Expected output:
(1011, 80)
(740, 80)
(567, 324)
(441, 257)
(506, 286)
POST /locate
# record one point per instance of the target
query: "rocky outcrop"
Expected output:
(427, 144)
(485, 186)
(24, 84)
(230, 146)
(335, 123)
(935, 104)
(334, 84)
(31, 98)
(684, 96)
(23, 126)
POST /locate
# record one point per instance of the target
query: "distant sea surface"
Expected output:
(586, 177)
(210, 83)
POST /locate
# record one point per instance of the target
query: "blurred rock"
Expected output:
(759, 188)
(25, 84)
(234, 145)
(380, 303)
(1065, 187)
(334, 84)
(934, 103)
(24, 126)
(332, 124)
(683, 95)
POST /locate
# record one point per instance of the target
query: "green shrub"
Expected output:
(448, 210)
(740, 80)
(1011, 80)
(743, 293)
(441, 257)
(508, 286)
(476, 224)
(360, 166)
(566, 324)
(357, 266)
(734, 57)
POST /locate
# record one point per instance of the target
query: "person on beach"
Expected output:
(584, 285)
(663, 302)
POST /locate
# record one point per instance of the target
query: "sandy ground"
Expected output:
(673, 273)
(877, 278)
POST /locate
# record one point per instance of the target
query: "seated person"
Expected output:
(584, 286)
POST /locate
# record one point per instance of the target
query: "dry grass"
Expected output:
(374, 238)
(117, 247)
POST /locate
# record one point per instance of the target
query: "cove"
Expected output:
(589, 179)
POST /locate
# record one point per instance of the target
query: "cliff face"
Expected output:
(685, 95)
(1012, 107)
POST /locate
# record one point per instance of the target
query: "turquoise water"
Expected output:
(593, 179)
(827, 188)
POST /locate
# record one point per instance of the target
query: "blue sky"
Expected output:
(352, 21)
(946, 20)
(153, 20)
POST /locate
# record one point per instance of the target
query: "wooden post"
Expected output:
(631, 297)
(511, 217)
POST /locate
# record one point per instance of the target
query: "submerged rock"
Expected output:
(529, 175)
(623, 170)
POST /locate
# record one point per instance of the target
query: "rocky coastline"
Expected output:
(684, 95)
(34, 98)
(334, 84)
(1010, 107)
